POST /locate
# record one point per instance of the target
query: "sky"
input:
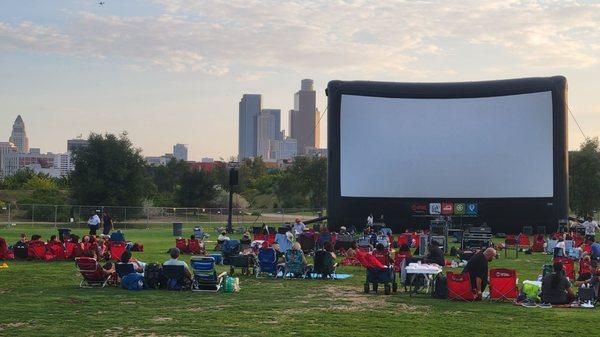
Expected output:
(173, 71)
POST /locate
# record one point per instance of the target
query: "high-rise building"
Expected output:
(249, 108)
(284, 148)
(8, 161)
(304, 117)
(19, 135)
(75, 144)
(180, 152)
(268, 128)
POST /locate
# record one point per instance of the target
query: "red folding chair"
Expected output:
(523, 241)
(57, 249)
(538, 244)
(568, 265)
(116, 250)
(181, 245)
(398, 258)
(37, 250)
(503, 284)
(194, 247)
(403, 239)
(92, 273)
(585, 267)
(459, 287)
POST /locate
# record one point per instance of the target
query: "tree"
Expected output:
(584, 178)
(110, 171)
(197, 189)
(304, 183)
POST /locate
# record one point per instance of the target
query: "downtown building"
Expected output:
(250, 107)
(180, 152)
(304, 118)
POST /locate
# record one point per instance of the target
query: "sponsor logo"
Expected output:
(472, 209)
(418, 208)
(459, 209)
(435, 208)
(447, 208)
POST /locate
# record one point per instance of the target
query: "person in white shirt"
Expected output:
(174, 261)
(370, 220)
(590, 226)
(559, 250)
(299, 227)
(93, 223)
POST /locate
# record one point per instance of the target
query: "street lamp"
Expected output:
(233, 181)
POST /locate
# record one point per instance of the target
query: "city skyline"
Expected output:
(167, 71)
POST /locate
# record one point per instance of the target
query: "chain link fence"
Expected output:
(123, 216)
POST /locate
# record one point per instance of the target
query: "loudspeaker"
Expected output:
(233, 177)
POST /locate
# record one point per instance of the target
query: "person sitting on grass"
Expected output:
(556, 288)
(328, 247)
(138, 266)
(351, 252)
(36, 237)
(477, 267)
(53, 239)
(174, 261)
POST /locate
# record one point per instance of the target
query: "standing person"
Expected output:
(299, 227)
(93, 223)
(370, 220)
(107, 223)
(477, 267)
(590, 226)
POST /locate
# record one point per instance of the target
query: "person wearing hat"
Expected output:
(174, 261)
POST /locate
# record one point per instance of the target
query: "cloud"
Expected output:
(332, 37)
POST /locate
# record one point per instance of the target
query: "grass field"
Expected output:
(43, 299)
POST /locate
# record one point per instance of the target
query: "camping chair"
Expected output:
(550, 245)
(176, 277)
(57, 249)
(294, 267)
(123, 269)
(116, 250)
(324, 264)
(307, 242)
(364, 242)
(283, 242)
(266, 262)
(343, 242)
(181, 245)
(503, 284)
(568, 245)
(568, 265)
(523, 241)
(322, 239)
(459, 287)
(244, 262)
(377, 273)
(205, 274)
(36, 250)
(229, 249)
(403, 239)
(92, 273)
(194, 247)
(538, 244)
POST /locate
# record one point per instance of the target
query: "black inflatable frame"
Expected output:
(507, 215)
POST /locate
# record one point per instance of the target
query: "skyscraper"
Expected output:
(75, 144)
(19, 136)
(304, 117)
(268, 128)
(180, 152)
(249, 109)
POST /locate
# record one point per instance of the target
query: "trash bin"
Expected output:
(64, 233)
(177, 229)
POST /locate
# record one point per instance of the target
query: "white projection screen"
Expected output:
(486, 147)
(491, 153)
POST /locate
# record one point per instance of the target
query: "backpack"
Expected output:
(132, 281)
(20, 250)
(440, 288)
(586, 294)
(153, 276)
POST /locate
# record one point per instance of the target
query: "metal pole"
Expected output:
(229, 215)
(55, 214)
(32, 213)
(9, 221)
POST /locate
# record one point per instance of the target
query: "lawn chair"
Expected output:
(194, 247)
(377, 273)
(538, 244)
(283, 242)
(325, 265)
(176, 277)
(123, 269)
(116, 250)
(36, 250)
(523, 241)
(322, 239)
(568, 245)
(205, 274)
(229, 249)
(550, 245)
(343, 242)
(568, 265)
(181, 245)
(57, 249)
(503, 284)
(459, 287)
(92, 273)
(294, 266)
(5, 253)
(266, 262)
(307, 242)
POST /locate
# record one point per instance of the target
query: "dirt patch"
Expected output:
(160, 319)
(5, 326)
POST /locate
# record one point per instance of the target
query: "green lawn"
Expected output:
(43, 298)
